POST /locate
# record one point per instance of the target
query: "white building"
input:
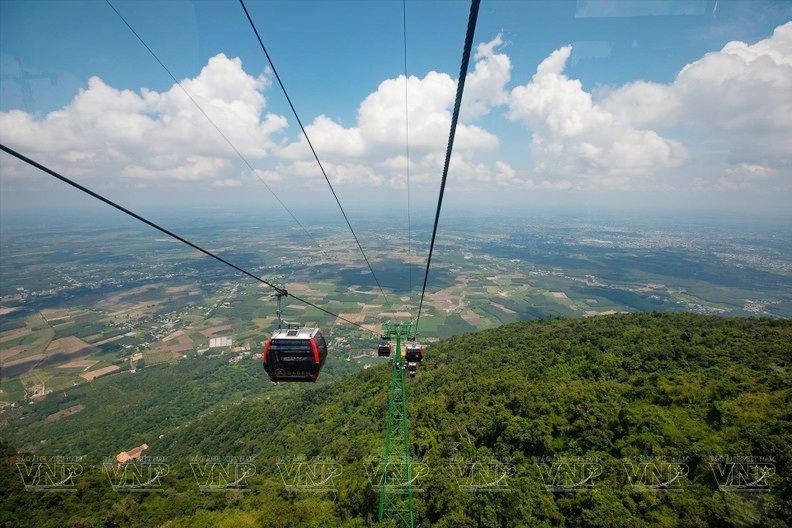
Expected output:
(217, 342)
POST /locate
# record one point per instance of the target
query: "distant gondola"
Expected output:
(383, 348)
(295, 354)
(412, 368)
(414, 353)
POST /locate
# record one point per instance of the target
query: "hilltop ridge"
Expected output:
(606, 389)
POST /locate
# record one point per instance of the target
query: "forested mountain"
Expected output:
(528, 401)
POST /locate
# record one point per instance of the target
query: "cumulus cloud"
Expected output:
(148, 137)
(466, 172)
(743, 176)
(431, 100)
(305, 171)
(151, 135)
(485, 86)
(506, 176)
(575, 138)
(425, 170)
(380, 127)
(740, 95)
(328, 136)
(227, 183)
(739, 98)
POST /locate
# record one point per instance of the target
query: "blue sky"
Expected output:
(333, 55)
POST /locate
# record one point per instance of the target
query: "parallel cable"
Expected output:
(136, 216)
(315, 155)
(407, 142)
(471, 29)
(211, 121)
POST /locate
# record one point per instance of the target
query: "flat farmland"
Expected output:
(91, 302)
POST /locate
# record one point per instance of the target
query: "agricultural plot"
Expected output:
(106, 301)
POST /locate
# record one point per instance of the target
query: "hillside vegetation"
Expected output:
(600, 392)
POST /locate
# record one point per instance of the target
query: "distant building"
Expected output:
(217, 342)
(125, 456)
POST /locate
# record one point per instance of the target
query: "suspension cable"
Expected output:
(407, 143)
(315, 155)
(211, 121)
(278, 289)
(471, 29)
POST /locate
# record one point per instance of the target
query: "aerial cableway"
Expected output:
(313, 150)
(239, 154)
(471, 29)
(396, 502)
(317, 360)
(298, 354)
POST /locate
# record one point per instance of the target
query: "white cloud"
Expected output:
(506, 176)
(485, 86)
(573, 138)
(328, 136)
(466, 173)
(740, 96)
(732, 105)
(176, 167)
(152, 135)
(269, 176)
(303, 172)
(736, 101)
(644, 104)
(227, 183)
(380, 127)
(431, 100)
(743, 176)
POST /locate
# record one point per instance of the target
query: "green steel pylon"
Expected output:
(396, 481)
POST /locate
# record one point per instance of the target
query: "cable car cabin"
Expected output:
(383, 350)
(414, 353)
(295, 354)
(412, 368)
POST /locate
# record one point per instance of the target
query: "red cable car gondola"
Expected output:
(383, 350)
(295, 354)
(414, 353)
